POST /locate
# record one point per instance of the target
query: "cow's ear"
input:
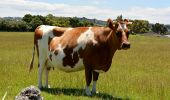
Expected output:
(110, 23)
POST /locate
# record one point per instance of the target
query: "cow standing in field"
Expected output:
(68, 49)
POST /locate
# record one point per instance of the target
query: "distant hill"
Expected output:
(95, 21)
(13, 18)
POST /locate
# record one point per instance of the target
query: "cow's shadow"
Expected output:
(79, 92)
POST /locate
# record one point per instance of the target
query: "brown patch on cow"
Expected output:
(67, 60)
(38, 33)
(80, 52)
(71, 57)
(101, 33)
(75, 57)
(59, 31)
(53, 44)
(49, 40)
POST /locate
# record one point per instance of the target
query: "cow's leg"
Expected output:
(47, 69)
(40, 71)
(88, 74)
(95, 78)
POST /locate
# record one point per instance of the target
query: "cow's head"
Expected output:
(122, 32)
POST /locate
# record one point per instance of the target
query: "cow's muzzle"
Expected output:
(125, 45)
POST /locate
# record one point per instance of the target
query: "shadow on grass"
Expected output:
(79, 92)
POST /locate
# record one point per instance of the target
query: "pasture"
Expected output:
(140, 73)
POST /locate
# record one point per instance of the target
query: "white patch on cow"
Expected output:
(99, 71)
(123, 26)
(84, 38)
(47, 29)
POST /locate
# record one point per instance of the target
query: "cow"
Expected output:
(74, 49)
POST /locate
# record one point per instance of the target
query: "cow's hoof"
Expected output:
(88, 93)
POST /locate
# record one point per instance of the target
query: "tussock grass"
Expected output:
(141, 72)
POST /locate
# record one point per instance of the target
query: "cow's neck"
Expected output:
(113, 43)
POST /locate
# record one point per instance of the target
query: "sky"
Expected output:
(155, 11)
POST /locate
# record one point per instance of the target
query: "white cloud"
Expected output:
(22, 7)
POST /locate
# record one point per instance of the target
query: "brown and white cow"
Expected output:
(73, 49)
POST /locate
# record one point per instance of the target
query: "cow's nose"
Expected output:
(126, 45)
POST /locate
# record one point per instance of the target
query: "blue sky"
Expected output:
(152, 10)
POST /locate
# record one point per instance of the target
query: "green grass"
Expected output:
(140, 73)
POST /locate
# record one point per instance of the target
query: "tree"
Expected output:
(35, 22)
(42, 18)
(50, 19)
(3, 25)
(74, 22)
(23, 26)
(27, 18)
(159, 28)
(61, 21)
(140, 26)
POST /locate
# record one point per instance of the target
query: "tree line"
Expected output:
(30, 22)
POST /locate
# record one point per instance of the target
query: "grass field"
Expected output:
(140, 73)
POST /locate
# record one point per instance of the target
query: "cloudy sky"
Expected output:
(152, 10)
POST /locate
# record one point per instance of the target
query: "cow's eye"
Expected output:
(119, 34)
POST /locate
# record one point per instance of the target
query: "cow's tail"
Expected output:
(32, 60)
